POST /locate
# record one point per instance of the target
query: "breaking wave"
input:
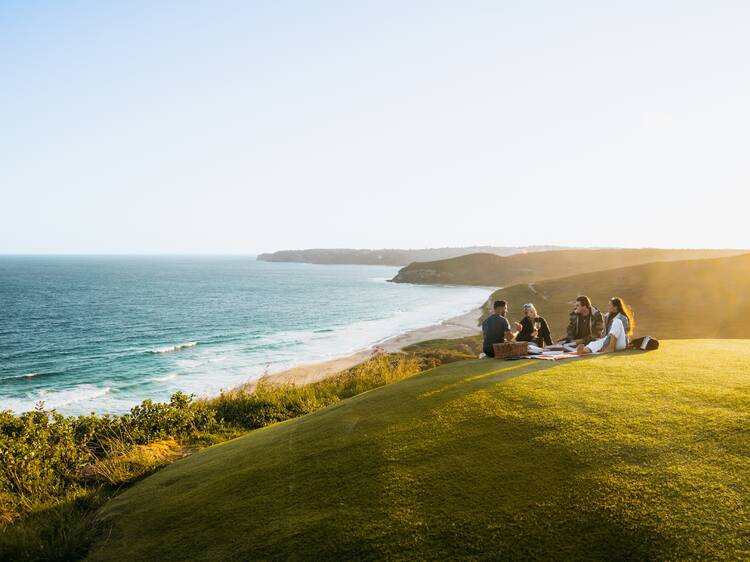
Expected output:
(171, 348)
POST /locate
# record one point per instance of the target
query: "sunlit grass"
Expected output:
(632, 455)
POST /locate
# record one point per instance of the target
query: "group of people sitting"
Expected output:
(588, 330)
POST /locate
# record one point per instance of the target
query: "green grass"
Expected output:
(496, 271)
(56, 471)
(706, 298)
(626, 456)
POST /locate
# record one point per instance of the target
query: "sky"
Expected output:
(251, 126)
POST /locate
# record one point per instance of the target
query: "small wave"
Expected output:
(165, 378)
(24, 376)
(177, 347)
(54, 399)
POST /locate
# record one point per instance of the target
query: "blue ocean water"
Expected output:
(85, 333)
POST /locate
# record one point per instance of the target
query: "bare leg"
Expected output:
(582, 350)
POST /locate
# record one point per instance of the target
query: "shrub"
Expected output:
(180, 417)
(39, 456)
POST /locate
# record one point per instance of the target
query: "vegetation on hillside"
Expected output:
(56, 470)
(496, 271)
(706, 298)
(628, 456)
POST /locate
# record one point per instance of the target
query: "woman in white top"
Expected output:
(618, 328)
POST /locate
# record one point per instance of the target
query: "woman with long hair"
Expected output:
(618, 328)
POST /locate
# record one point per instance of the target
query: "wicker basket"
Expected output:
(511, 349)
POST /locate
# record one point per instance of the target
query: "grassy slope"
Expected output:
(689, 299)
(492, 270)
(634, 455)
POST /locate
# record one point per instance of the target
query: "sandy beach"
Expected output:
(456, 327)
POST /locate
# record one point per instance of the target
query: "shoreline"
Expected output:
(307, 371)
(460, 326)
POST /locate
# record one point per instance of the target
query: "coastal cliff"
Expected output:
(503, 271)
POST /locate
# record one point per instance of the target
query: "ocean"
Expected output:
(102, 333)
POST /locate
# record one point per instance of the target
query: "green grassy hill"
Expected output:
(498, 271)
(626, 456)
(706, 298)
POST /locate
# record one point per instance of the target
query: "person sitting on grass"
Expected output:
(618, 328)
(586, 322)
(533, 328)
(496, 328)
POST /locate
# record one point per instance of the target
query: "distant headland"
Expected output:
(395, 257)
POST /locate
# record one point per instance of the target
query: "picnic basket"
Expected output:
(510, 349)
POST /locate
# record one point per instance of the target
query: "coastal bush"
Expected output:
(43, 454)
(39, 455)
(157, 420)
(270, 404)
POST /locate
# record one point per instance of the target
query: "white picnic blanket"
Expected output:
(565, 352)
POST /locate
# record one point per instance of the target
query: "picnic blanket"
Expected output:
(552, 353)
(548, 356)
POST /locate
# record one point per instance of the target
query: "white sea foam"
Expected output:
(189, 363)
(165, 378)
(58, 399)
(171, 348)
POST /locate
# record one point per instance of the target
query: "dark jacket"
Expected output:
(596, 323)
(527, 328)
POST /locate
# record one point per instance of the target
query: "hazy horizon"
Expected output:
(256, 254)
(242, 128)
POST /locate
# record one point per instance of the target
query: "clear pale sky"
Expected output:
(239, 127)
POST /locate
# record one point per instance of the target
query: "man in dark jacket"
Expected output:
(586, 322)
(496, 328)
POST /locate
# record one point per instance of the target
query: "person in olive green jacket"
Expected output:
(586, 322)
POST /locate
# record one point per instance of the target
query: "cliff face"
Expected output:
(425, 276)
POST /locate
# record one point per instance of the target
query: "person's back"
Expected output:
(494, 328)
